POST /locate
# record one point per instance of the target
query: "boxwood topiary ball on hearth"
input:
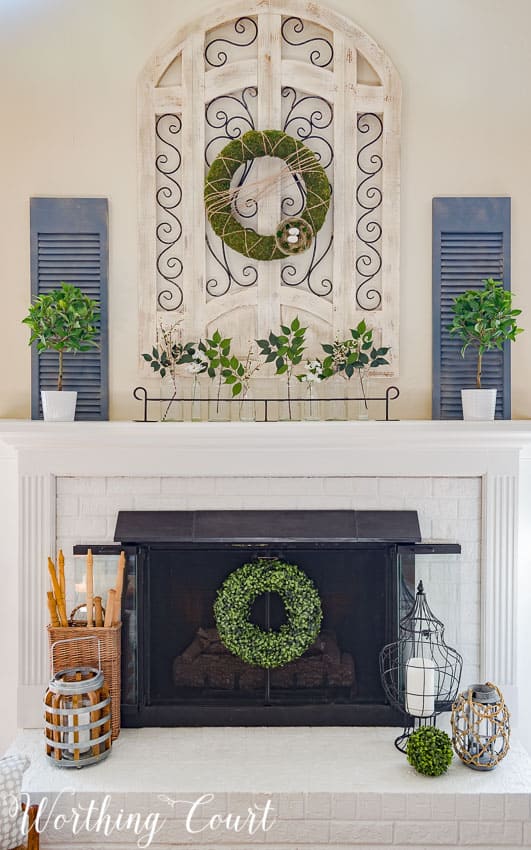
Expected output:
(429, 751)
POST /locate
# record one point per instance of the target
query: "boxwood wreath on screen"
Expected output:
(232, 611)
(293, 235)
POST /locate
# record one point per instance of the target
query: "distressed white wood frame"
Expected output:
(270, 301)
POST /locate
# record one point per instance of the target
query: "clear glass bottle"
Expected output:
(195, 404)
(337, 391)
(219, 406)
(312, 407)
(246, 407)
(363, 392)
(171, 406)
(289, 406)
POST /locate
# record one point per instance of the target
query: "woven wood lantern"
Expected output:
(77, 715)
(480, 726)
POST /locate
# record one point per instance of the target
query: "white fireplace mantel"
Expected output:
(34, 454)
(273, 448)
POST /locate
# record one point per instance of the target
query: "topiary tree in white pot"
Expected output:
(62, 320)
(485, 320)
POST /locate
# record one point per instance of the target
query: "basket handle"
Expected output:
(74, 640)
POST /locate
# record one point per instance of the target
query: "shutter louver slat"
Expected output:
(471, 242)
(69, 242)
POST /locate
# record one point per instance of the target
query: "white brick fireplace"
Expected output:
(449, 510)
(64, 483)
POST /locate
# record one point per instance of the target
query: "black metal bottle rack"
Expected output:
(141, 394)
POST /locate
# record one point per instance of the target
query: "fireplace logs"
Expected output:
(207, 663)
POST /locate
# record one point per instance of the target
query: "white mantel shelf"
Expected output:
(33, 455)
(509, 432)
(272, 448)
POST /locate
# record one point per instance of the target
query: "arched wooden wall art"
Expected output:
(300, 68)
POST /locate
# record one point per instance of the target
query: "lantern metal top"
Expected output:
(421, 620)
(485, 694)
(90, 679)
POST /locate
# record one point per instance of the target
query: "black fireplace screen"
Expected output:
(175, 669)
(189, 663)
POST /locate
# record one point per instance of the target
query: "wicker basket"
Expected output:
(85, 653)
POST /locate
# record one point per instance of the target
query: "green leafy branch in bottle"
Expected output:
(238, 373)
(286, 350)
(357, 354)
(217, 352)
(167, 355)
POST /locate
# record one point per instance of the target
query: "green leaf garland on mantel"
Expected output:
(232, 611)
(219, 195)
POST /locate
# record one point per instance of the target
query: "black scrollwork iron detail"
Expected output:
(216, 288)
(369, 198)
(216, 54)
(168, 197)
(321, 50)
(231, 115)
(307, 117)
(293, 206)
(290, 276)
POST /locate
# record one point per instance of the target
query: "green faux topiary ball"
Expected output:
(429, 751)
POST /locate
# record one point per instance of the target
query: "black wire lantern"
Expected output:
(420, 674)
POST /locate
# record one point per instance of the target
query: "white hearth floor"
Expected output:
(264, 760)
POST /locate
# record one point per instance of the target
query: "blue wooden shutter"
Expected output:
(69, 242)
(471, 242)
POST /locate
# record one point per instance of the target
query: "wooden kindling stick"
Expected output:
(118, 587)
(90, 588)
(62, 580)
(109, 609)
(57, 593)
(98, 611)
(52, 608)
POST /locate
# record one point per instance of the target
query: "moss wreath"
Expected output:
(219, 195)
(249, 642)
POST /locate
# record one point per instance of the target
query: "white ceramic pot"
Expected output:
(478, 405)
(58, 406)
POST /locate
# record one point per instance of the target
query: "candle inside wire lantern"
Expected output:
(420, 674)
(480, 726)
(77, 715)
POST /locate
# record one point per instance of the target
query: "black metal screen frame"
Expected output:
(399, 573)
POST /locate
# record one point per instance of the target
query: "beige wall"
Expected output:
(68, 71)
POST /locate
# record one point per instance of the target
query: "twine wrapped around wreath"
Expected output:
(220, 195)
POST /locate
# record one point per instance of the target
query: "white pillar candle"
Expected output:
(420, 687)
(83, 736)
